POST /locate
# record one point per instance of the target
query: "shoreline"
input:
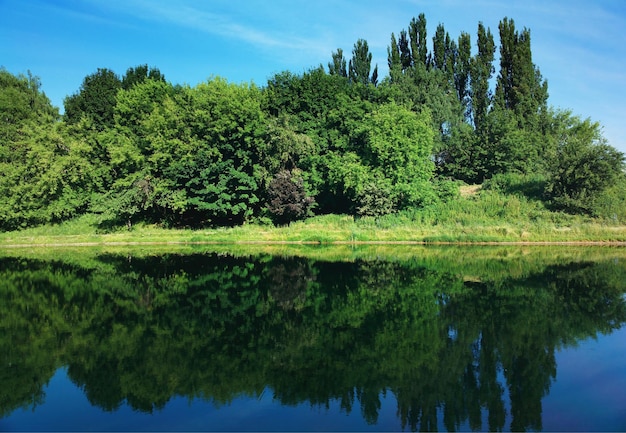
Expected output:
(318, 243)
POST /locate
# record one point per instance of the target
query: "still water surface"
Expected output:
(441, 339)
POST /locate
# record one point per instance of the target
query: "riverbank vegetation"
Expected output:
(429, 153)
(485, 217)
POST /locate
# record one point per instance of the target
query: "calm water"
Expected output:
(438, 339)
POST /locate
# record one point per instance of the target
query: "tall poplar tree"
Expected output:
(361, 63)
(468, 153)
(439, 48)
(508, 44)
(481, 71)
(451, 56)
(393, 59)
(462, 71)
(406, 58)
(417, 33)
(338, 65)
(374, 78)
(445, 52)
(519, 87)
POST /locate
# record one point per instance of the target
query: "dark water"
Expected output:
(447, 340)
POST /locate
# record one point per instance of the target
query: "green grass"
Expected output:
(489, 216)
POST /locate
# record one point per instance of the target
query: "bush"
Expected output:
(447, 190)
(288, 200)
(374, 199)
(529, 185)
(611, 203)
(584, 167)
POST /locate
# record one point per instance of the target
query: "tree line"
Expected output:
(330, 140)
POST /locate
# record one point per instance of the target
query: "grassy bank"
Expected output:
(486, 217)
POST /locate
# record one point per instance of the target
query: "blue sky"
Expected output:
(579, 45)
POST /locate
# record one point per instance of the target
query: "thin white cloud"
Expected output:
(198, 17)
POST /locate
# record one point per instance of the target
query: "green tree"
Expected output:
(439, 57)
(519, 86)
(361, 63)
(375, 198)
(95, 99)
(509, 147)
(374, 78)
(48, 177)
(129, 150)
(463, 157)
(394, 61)
(136, 102)
(510, 132)
(462, 72)
(21, 99)
(584, 165)
(418, 35)
(284, 146)
(610, 204)
(393, 169)
(308, 98)
(453, 61)
(139, 74)
(481, 71)
(338, 64)
(187, 156)
(500, 143)
(326, 109)
(220, 178)
(420, 88)
(404, 46)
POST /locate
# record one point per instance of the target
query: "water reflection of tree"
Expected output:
(217, 327)
(288, 282)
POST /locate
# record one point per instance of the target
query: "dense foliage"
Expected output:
(138, 148)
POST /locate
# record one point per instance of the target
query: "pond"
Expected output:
(390, 339)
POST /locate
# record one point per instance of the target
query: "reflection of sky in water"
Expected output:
(589, 394)
(66, 408)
